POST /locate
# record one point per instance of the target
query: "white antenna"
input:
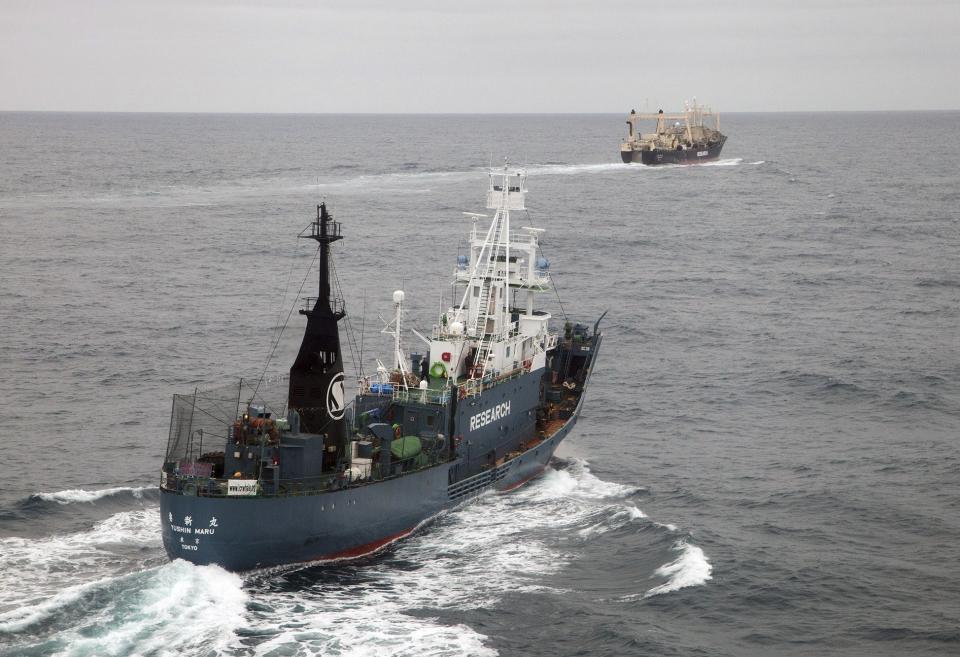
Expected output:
(395, 328)
(363, 322)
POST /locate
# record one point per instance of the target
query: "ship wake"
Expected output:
(108, 590)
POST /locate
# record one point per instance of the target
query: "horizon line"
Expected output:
(246, 113)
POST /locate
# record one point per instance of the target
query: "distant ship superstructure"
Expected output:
(679, 138)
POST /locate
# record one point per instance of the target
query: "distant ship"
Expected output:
(247, 482)
(679, 138)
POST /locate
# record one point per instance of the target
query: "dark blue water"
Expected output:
(768, 462)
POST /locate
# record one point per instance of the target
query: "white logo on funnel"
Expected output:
(335, 405)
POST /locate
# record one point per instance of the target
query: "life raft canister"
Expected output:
(438, 370)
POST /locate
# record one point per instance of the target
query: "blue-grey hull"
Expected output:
(246, 533)
(498, 449)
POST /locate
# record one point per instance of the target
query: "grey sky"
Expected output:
(495, 56)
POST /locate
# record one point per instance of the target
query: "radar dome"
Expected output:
(398, 296)
(456, 328)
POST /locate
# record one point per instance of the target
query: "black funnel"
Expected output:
(317, 390)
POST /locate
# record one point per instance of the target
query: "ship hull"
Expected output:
(244, 533)
(247, 533)
(663, 156)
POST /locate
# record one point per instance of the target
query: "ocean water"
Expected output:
(768, 459)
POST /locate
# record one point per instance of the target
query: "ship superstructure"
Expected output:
(683, 138)
(314, 477)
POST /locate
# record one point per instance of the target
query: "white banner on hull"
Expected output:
(241, 487)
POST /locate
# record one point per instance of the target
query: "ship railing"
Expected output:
(295, 487)
(400, 392)
(333, 228)
(540, 278)
(473, 387)
(518, 238)
(368, 386)
(517, 278)
(337, 305)
(422, 395)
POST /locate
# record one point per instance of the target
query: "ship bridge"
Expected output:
(494, 330)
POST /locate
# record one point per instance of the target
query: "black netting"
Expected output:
(201, 421)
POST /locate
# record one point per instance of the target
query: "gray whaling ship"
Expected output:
(248, 483)
(679, 138)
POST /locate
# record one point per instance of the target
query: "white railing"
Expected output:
(401, 392)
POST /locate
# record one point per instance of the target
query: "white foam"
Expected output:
(634, 513)
(376, 626)
(20, 618)
(579, 481)
(175, 609)
(552, 485)
(469, 559)
(413, 181)
(726, 162)
(618, 519)
(166, 610)
(691, 568)
(74, 495)
(571, 169)
(35, 572)
(169, 610)
(410, 182)
(457, 565)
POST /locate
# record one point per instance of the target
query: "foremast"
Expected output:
(316, 389)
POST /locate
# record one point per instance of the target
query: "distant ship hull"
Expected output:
(663, 156)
